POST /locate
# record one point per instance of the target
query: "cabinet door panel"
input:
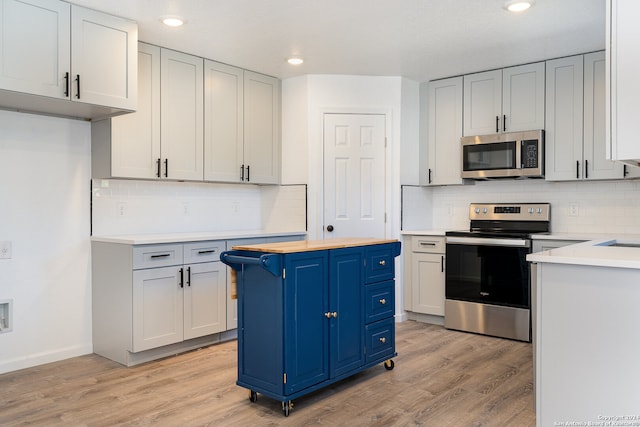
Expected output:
(346, 300)
(445, 131)
(563, 134)
(306, 326)
(523, 97)
(181, 111)
(105, 49)
(597, 166)
(157, 308)
(35, 52)
(482, 102)
(205, 300)
(135, 137)
(224, 124)
(261, 128)
(427, 282)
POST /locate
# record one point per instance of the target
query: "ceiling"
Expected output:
(417, 39)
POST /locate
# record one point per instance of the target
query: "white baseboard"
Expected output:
(46, 357)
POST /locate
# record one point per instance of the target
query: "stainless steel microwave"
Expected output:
(504, 155)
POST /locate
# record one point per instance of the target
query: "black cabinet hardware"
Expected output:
(182, 277)
(166, 167)
(160, 256)
(78, 82)
(66, 84)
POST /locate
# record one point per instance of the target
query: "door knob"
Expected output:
(329, 228)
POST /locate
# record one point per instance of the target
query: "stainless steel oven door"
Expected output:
(488, 270)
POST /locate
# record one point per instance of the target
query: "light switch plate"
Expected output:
(5, 249)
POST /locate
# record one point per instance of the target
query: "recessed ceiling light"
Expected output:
(295, 60)
(172, 21)
(518, 5)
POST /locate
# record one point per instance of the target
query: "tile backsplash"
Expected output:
(141, 207)
(576, 207)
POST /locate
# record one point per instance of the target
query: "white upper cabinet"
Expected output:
(507, 100)
(623, 66)
(575, 137)
(104, 57)
(443, 160)
(43, 29)
(223, 122)
(261, 128)
(64, 52)
(182, 115)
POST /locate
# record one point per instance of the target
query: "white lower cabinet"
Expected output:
(424, 269)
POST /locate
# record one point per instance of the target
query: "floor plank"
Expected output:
(441, 378)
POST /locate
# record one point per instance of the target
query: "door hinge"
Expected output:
(284, 377)
(284, 273)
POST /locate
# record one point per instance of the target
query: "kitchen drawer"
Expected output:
(379, 263)
(380, 338)
(379, 301)
(431, 244)
(151, 256)
(203, 251)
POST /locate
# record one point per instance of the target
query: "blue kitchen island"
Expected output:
(311, 313)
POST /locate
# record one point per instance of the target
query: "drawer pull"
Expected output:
(382, 263)
(427, 244)
(160, 256)
(210, 251)
(383, 301)
(383, 340)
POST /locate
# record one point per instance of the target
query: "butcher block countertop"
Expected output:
(312, 245)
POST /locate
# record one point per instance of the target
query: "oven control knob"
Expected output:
(540, 210)
(484, 211)
(477, 210)
(530, 210)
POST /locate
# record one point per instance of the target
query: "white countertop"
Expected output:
(578, 237)
(145, 239)
(593, 253)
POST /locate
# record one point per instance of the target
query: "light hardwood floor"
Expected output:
(441, 378)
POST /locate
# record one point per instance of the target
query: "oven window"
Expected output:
(488, 274)
(499, 155)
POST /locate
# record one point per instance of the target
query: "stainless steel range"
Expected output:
(488, 281)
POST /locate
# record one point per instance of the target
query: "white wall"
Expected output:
(44, 212)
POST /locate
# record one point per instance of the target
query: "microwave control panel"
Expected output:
(529, 153)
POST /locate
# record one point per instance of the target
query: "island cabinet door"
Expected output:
(346, 295)
(306, 320)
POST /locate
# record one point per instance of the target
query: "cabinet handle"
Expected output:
(427, 244)
(625, 172)
(158, 167)
(242, 173)
(210, 251)
(188, 276)
(504, 123)
(166, 167)
(330, 314)
(586, 169)
(429, 175)
(383, 340)
(248, 176)
(577, 169)
(66, 84)
(160, 256)
(334, 314)
(182, 277)
(327, 315)
(497, 124)
(383, 301)
(382, 263)
(78, 81)
(442, 264)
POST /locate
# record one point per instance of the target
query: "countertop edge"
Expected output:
(594, 253)
(146, 239)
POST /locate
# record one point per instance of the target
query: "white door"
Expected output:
(354, 175)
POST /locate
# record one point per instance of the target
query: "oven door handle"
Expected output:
(482, 241)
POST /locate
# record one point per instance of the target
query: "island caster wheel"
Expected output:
(287, 407)
(389, 365)
(253, 396)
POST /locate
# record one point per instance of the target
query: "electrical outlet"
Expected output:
(573, 209)
(185, 208)
(450, 210)
(122, 209)
(5, 250)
